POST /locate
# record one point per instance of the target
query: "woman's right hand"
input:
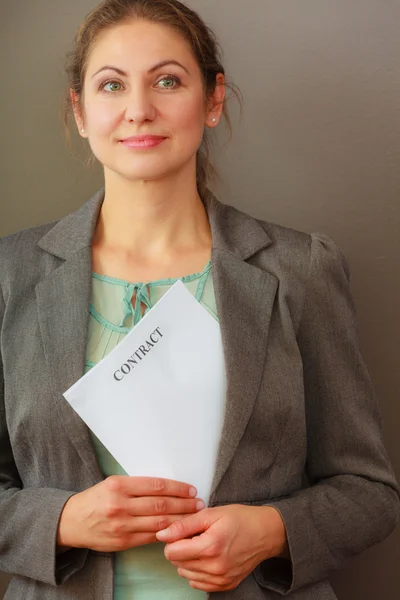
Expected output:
(122, 512)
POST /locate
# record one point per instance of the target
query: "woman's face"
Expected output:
(133, 87)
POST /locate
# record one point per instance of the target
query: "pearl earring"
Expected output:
(214, 120)
(82, 131)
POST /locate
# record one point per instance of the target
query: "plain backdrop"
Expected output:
(317, 149)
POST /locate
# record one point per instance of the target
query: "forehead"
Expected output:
(139, 44)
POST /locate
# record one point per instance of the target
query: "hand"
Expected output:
(233, 541)
(122, 512)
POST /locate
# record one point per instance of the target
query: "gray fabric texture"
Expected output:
(299, 404)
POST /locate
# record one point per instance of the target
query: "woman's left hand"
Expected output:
(230, 542)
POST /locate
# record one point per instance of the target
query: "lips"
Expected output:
(143, 138)
(143, 142)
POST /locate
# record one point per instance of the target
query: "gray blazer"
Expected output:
(299, 403)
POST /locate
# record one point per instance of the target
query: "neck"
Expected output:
(152, 218)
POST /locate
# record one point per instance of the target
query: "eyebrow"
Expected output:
(160, 65)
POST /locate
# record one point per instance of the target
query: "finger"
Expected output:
(206, 582)
(149, 486)
(140, 539)
(191, 549)
(188, 527)
(199, 565)
(152, 524)
(126, 541)
(208, 587)
(201, 577)
(161, 505)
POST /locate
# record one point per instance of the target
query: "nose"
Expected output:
(139, 107)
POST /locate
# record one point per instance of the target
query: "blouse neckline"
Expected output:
(166, 281)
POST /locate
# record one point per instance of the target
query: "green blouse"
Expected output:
(141, 573)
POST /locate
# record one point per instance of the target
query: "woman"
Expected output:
(145, 82)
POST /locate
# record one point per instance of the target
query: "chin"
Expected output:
(144, 174)
(147, 172)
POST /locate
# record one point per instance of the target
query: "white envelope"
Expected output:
(157, 401)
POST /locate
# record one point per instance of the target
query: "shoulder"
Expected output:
(30, 254)
(308, 249)
(24, 239)
(20, 254)
(286, 247)
(304, 265)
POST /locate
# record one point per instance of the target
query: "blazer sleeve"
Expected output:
(353, 499)
(29, 516)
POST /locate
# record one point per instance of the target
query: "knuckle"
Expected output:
(116, 529)
(179, 528)
(113, 483)
(213, 550)
(162, 523)
(111, 509)
(120, 543)
(158, 484)
(231, 584)
(219, 569)
(160, 506)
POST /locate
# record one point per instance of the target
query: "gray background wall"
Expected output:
(318, 148)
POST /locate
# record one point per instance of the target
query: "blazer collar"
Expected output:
(232, 231)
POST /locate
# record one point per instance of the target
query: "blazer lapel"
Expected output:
(63, 299)
(244, 298)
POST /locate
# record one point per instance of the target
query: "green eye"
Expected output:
(114, 86)
(170, 82)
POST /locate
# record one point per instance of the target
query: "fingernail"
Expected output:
(193, 492)
(163, 534)
(200, 505)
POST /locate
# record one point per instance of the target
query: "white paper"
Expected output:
(164, 416)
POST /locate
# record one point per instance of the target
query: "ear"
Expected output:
(75, 103)
(216, 102)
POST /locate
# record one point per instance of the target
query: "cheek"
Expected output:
(188, 120)
(101, 117)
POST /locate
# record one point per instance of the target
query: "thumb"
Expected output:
(188, 527)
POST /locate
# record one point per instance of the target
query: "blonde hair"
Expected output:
(185, 21)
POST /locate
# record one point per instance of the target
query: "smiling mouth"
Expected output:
(146, 141)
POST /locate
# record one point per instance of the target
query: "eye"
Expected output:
(170, 82)
(114, 86)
